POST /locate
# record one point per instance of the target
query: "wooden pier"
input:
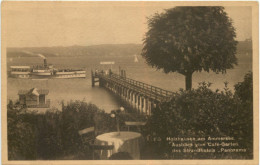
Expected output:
(140, 96)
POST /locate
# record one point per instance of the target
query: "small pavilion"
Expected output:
(34, 98)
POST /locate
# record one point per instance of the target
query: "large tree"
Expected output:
(189, 39)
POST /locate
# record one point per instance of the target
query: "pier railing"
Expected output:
(144, 88)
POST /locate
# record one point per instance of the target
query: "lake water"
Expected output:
(79, 89)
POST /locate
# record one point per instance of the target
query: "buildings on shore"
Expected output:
(34, 98)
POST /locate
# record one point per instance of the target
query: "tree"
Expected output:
(244, 90)
(189, 39)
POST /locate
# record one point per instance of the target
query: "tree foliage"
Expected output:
(244, 90)
(54, 134)
(203, 113)
(189, 39)
(21, 137)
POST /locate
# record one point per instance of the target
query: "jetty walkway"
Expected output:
(140, 96)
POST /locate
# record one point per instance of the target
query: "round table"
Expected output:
(125, 142)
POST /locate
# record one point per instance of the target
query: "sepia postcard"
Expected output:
(130, 82)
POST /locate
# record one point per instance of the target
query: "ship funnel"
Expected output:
(45, 63)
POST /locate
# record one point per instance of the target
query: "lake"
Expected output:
(81, 89)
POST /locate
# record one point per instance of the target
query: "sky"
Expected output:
(32, 24)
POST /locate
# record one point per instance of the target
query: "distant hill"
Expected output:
(99, 50)
(244, 46)
(20, 53)
(94, 50)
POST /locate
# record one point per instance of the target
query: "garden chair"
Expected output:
(101, 148)
(89, 141)
(87, 135)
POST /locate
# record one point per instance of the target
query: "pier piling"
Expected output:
(140, 96)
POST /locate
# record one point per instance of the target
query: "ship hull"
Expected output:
(70, 75)
(41, 74)
(23, 75)
(33, 76)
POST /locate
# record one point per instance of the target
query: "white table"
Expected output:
(125, 142)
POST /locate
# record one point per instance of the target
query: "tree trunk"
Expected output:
(188, 81)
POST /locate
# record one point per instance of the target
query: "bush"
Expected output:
(21, 137)
(53, 134)
(243, 120)
(49, 135)
(202, 113)
(76, 115)
(244, 90)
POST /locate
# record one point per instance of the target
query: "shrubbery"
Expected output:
(21, 133)
(54, 134)
(202, 113)
(51, 135)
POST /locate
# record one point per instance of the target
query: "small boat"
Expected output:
(136, 59)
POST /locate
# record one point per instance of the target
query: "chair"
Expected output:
(84, 132)
(90, 141)
(137, 124)
(87, 136)
(95, 147)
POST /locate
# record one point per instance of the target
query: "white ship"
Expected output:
(45, 71)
